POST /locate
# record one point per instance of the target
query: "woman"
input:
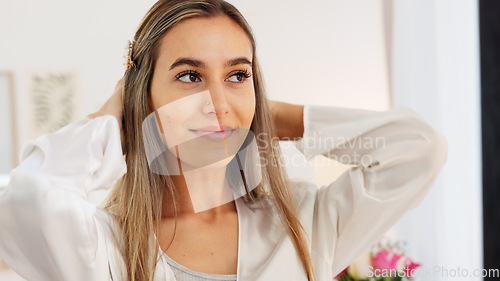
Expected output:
(192, 68)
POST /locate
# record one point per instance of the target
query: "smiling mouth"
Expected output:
(202, 131)
(214, 135)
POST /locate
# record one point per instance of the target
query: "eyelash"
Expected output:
(246, 74)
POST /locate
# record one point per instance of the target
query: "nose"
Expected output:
(220, 103)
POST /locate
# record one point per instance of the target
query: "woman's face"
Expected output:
(202, 85)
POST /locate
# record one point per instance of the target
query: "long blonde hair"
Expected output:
(135, 202)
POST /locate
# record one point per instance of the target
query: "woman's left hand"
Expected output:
(114, 107)
(288, 119)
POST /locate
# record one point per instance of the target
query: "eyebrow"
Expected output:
(200, 64)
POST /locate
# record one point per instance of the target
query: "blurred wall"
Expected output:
(435, 63)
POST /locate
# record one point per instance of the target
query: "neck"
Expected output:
(202, 192)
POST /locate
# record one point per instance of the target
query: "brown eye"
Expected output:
(189, 77)
(239, 76)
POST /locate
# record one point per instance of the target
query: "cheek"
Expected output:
(162, 93)
(159, 98)
(176, 118)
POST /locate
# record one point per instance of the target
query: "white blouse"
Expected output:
(50, 231)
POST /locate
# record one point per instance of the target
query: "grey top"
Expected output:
(183, 273)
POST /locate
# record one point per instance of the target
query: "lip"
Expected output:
(214, 129)
(214, 133)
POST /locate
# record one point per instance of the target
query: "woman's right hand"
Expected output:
(113, 106)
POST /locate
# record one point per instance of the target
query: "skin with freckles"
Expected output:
(193, 135)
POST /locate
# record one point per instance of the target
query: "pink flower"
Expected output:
(344, 272)
(385, 260)
(410, 266)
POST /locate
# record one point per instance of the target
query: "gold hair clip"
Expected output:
(130, 63)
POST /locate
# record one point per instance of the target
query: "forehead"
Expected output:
(207, 39)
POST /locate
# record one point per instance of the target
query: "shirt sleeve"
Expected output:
(395, 155)
(49, 230)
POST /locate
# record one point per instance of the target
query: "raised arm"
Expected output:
(48, 230)
(396, 156)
